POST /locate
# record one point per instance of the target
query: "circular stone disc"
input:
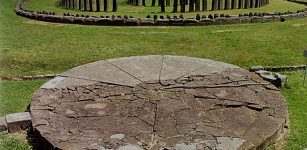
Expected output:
(158, 102)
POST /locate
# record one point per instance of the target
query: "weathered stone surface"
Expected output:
(102, 71)
(18, 121)
(146, 68)
(3, 124)
(194, 104)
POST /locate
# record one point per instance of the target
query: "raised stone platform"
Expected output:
(158, 102)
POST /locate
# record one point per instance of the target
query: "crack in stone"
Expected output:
(124, 71)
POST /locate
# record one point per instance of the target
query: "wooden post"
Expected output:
(233, 4)
(105, 5)
(168, 3)
(182, 5)
(84, 5)
(162, 4)
(219, 4)
(191, 6)
(214, 4)
(153, 2)
(98, 5)
(91, 5)
(114, 8)
(226, 7)
(246, 4)
(175, 6)
(251, 4)
(205, 3)
(197, 5)
(240, 4)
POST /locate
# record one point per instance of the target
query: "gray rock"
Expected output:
(257, 68)
(18, 121)
(283, 79)
(3, 124)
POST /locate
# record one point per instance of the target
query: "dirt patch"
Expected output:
(30, 21)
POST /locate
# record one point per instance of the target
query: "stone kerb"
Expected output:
(119, 21)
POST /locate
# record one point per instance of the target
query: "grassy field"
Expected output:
(31, 47)
(140, 11)
(19, 100)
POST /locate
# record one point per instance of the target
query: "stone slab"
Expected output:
(145, 68)
(102, 71)
(18, 121)
(158, 102)
(174, 67)
(68, 82)
(3, 124)
(52, 83)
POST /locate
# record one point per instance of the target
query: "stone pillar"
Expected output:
(233, 4)
(227, 4)
(175, 6)
(105, 5)
(114, 4)
(214, 5)
(84, 5)
(219, 4)
(98, 5)
(91, 5)
(182, 5)
(205, 5)
(246, 4)
(197, 5)
(162, 4)
(191, 6)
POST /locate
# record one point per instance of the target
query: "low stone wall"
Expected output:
(214, 19)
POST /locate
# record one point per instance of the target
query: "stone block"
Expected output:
(3, 124)
(245, 19)
(282, 79)
(206, 21)
(162, 22)
(256, 68)
(132, 22)
(18, 121)
(147, 22)
(176, 22)
(190, 22)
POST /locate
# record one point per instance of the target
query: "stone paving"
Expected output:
(158, 102)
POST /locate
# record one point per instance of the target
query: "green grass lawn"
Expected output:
(15, 95)
(140, 11)
(31, 47)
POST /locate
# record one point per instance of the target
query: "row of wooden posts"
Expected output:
(87, 5)
(193, 5)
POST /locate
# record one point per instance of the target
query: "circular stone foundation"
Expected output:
(158, 102)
